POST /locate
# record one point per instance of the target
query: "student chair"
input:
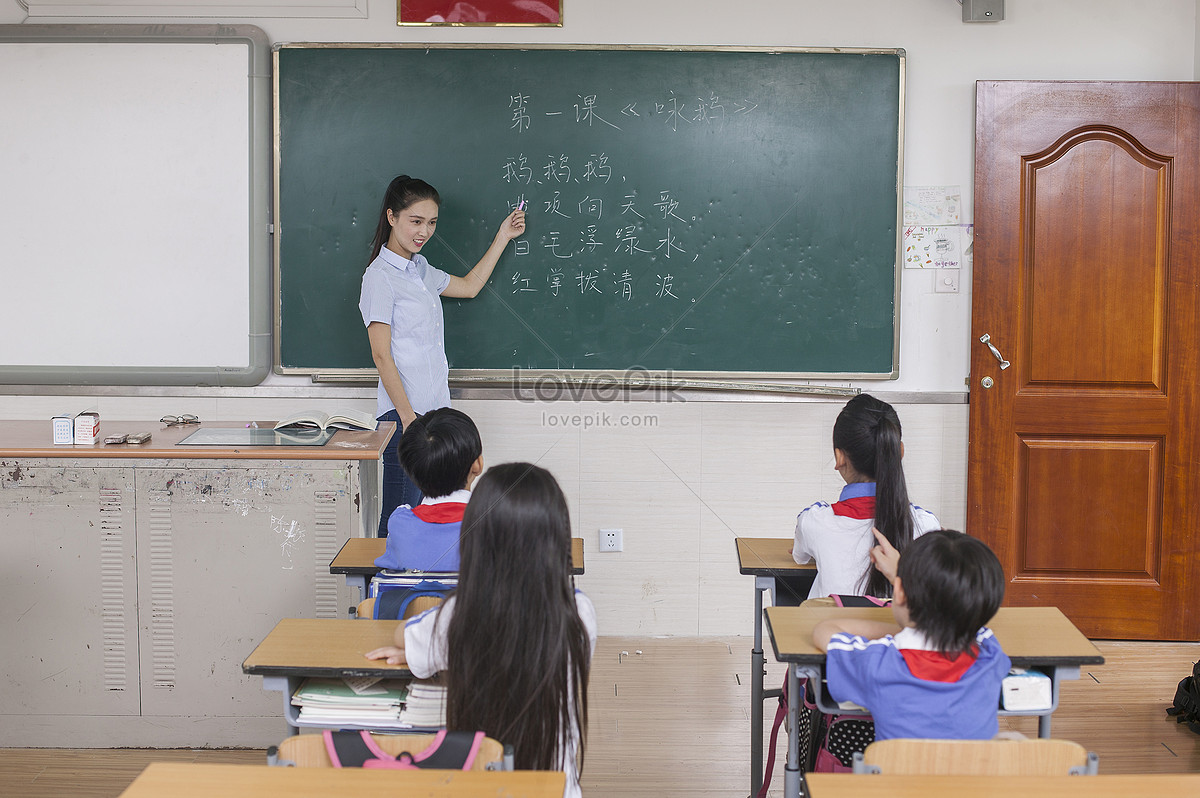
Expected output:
(1040, 757)
(308, 751)
(366, 607)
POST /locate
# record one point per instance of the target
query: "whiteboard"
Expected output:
(128, 240)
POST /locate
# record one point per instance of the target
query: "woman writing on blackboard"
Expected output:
(403, 315)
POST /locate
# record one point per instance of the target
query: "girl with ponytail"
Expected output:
(402, 311)
(866, 452)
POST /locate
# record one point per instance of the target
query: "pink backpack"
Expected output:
(449, 751)
(827, 742)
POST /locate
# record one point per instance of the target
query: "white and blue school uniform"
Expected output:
(913, 690)
(406, 294)
(425, 537)
(425, 653)
(838, 537)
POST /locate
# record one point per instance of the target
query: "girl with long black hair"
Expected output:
(867, 451)
(515, 640)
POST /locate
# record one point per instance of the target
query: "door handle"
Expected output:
(986, 338)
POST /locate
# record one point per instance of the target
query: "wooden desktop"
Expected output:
(356, 561)
(192, 780)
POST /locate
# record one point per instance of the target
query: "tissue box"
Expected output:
(87, 427)
(64, 428)
(1026, 691)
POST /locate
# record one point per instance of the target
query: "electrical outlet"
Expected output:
(612, 540)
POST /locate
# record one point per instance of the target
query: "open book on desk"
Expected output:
(338, 419)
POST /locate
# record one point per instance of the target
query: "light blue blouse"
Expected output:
(406, 294)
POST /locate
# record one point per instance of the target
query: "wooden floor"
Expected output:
(670, 718)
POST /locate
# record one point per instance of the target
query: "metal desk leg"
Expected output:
(757, 694)
(287, 686)
(358, 581)
(1057, 674)
(791, 772)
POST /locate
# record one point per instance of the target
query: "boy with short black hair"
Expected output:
(442, 453)
(936, 673)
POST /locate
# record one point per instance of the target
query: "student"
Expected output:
(936, 672)
(400, 307)
(866, 452)
(515, 640)
(442, 454)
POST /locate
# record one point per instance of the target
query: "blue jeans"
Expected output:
(398, 489)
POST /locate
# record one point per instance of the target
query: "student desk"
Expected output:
(332, 647)
(846, 785)
(770, 562)
(147, 571)
(356, 561)
(1033, 637)
(194, 780)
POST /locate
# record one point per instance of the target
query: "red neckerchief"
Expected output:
(442, 513)
(934, 666)
(860, 507)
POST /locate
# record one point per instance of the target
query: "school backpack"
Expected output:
(395, 590)
(450, 750)
(1186, 708)
(827, 742)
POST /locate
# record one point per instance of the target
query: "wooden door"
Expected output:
(1084, 453)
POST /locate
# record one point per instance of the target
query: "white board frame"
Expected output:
(221, 9)
(246, 281)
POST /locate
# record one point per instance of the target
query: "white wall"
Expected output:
(711, 470)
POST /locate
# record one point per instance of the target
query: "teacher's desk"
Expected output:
(140, 574)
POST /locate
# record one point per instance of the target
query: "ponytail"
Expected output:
(402, 192)
(868, 433)
(893, 516)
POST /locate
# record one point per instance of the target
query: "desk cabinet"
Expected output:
(68, 594)
(132, 590)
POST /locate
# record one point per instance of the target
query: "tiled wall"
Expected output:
(690, 479)
(683, 479)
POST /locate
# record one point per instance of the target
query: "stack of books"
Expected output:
(370, 704)
(426, 705)
(393, 580)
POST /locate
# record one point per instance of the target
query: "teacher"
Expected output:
(403, 315)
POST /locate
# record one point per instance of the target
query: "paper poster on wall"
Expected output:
(933, 247)
(926, 206)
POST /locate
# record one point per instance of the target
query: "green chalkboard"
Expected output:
(703, 211)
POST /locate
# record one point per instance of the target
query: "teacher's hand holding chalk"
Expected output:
(513, 226)
(400, 307)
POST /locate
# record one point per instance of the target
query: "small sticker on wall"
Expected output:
(932, 206)
(933, 247)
